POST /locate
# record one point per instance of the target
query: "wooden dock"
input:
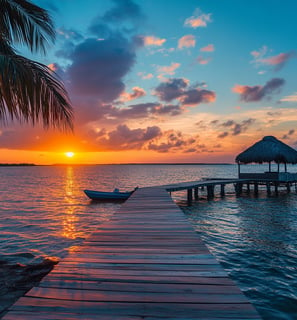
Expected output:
(147, 262)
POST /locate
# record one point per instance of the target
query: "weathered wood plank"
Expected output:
(191, 311)
(147, 262)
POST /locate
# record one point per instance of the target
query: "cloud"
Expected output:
(145, 76)
(124, 10)
(173, 141)
(277, 61)
(98, 67)
(288, 134)
(137, 93)
(172, 89)
(291, 98)
(124, 138)
(234, 128)
(202, 60)
(177, 88)
(208, 48)
(258, 92)
(69, 34)
(153, 41)
(186, 41)
(199, 19)
(197, 96)
(223, 135)
(168, 69)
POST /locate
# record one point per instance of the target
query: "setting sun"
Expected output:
(69, 154)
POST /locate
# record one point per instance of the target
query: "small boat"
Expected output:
(108, 196)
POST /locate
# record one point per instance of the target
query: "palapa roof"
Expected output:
(267, 150)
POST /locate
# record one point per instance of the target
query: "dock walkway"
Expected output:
(147, 262)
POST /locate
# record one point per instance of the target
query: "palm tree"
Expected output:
(29, 91)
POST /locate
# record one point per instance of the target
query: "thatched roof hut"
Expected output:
(269, 149)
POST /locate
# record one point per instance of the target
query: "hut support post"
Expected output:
(196, 196)
(189, 196)
(238, 167)
(269, 166)
(285, 167)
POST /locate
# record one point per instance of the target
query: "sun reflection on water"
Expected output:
(70, 218)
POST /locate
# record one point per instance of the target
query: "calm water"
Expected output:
(43, 213)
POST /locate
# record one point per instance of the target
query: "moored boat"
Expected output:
(108, 196)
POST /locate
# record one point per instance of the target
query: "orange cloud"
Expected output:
(199, 19)
(278, 59)
(153, 41)
(137, 93)
(208, 48)
(169, 69)
(53, 67)
(291, 98)
(186, 41)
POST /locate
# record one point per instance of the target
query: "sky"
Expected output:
(165, 81)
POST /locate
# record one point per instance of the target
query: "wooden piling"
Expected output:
(210, 191)
(222, 190)
(268, 188)
(196, 195)
(256, 188)
(190, 196)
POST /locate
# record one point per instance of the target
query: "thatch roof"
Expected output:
(269, 149)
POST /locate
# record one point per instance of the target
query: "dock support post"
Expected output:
(196, 196)
(222, 190)
(190, 196)
(248, 189)
(268, 188)
(238, 188)
(276, 187)
(210, 192)
(256, 189)
(288, 187)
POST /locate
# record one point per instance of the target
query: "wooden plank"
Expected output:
(131, 296)
(147, 262)
(182, 310)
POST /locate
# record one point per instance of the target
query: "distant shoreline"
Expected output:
(112, 164)
(17, 164)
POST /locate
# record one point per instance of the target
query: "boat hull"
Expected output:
(107, 196)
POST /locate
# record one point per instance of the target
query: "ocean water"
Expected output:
(44, 213)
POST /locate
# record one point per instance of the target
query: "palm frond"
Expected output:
(29, 92)
(25, 23)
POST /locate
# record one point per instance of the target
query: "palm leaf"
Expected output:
(25, 23)
(29, 92)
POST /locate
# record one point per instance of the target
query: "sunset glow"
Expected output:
(158, 81)
(69, 154)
